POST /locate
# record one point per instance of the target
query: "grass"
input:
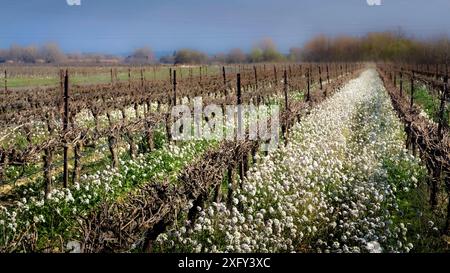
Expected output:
(422, 222)
(427, 101)
(105, 77)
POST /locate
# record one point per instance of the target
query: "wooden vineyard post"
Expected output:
(275, 75)
(320, 80)
(412, 91)
(112, 77)
(239, 107)
(308, 95)
(200, 73)
(224, 76)
(286, 105)
(256, 76)
(6, 81)
(129, 78)
(170, 75)
(168, 133)
(142, 78)
(328, 75)
(240, 124)
(442, 108)
(401, 82)
(65, 129)
(174, 88)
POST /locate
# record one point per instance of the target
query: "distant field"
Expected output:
(29, 77)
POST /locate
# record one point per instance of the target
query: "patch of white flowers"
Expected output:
(61, 208)
(328, 190)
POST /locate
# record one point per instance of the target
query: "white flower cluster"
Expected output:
(328, 190)
(61, 208)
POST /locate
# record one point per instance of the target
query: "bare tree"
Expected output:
(219, 58)
(51, 53)
(142, 55)
(20, 54)
(376, 46)
(236, 55)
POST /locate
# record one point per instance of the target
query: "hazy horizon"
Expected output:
(117, 26)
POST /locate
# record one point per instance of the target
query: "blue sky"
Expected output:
(119, 26)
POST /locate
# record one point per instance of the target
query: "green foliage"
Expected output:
(159, 138)
(429, 103)
(190, 56)
(413, 205)
(265, 51)
(256, 55)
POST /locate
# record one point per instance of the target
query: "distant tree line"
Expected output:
(49, 53)
(381, 46)
(263, 51)
(377, 46)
